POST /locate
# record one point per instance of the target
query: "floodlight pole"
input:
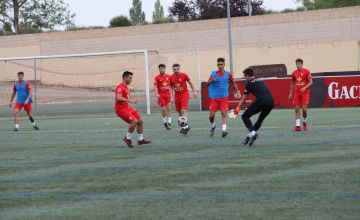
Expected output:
(230, 38)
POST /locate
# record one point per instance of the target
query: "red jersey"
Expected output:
(162, 82)
(178, 82)
(301, 78)
(124, 92)
(219, 73)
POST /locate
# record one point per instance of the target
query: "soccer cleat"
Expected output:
(186, 130)
(128, 142)
(305, 127)
(252, 139)
(246, 140)
(212, 131)
(144, 141)
(182, 130)
(166, 126)
(169, 126)
(36, 127)
(16, 130)
(224, 134)
(296, 129)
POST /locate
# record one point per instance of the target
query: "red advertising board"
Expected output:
(327, 91)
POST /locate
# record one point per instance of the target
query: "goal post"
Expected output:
(80, 83)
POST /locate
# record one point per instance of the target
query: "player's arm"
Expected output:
(30, 93)
(172, 94)
(292, 86)
(192, 88)
(309, 84)
(12, 97)
(122, 99)
(156, 89)
(241, 103)
(234, 86)
(211, 79)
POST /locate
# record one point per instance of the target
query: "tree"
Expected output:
(26, 16)
(158, 13)
(323, 4)
(120, 21)
(137, 16)
(186, 10)
(183, 10)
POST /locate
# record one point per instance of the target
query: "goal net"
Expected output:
(80, 83)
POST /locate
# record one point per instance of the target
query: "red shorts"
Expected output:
(128, 114)
(27, 107)
(164, 101)
(182, 102)
(301, 99)
(221, 104)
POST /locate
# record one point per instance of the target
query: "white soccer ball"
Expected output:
(182, 121)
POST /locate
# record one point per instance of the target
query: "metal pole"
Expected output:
(199, 74)
(359, 55)
(230, 38)
(148, 110)
(249, 8)
(35, 92)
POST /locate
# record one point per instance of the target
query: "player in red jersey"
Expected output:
(128, 113)
(300, 88)
(22, 89)
(162, 91)
(178, 81)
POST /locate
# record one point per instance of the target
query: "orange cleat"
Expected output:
(128, 142)
(296, 129)
(144, 141)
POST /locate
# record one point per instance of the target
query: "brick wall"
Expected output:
(326, 39)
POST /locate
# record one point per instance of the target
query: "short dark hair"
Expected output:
(299, 60)
(220, 59)
(126, 74)
(249, 72)
(21, 73)
(162, 65)
(176, 65)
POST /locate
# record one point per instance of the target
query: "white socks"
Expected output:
(140, 137)
(252, 134)
(298, 122)
(305, 120)
(224, 127)
(17, 126)
(213, 125)
(167, 120)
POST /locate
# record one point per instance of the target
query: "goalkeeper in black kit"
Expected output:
(264, 104)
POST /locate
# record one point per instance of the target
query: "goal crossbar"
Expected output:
(146, 64)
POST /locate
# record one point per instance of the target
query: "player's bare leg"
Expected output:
(298, 120)
(304, 111)
(32, 119)
(140, 129)
(212, 122)
(164, 116)
(168, 115)
(16, 119)
(131, 129)
(224, 120)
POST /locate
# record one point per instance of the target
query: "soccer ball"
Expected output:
(182, 121)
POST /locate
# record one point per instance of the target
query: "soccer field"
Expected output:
(78, 168)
